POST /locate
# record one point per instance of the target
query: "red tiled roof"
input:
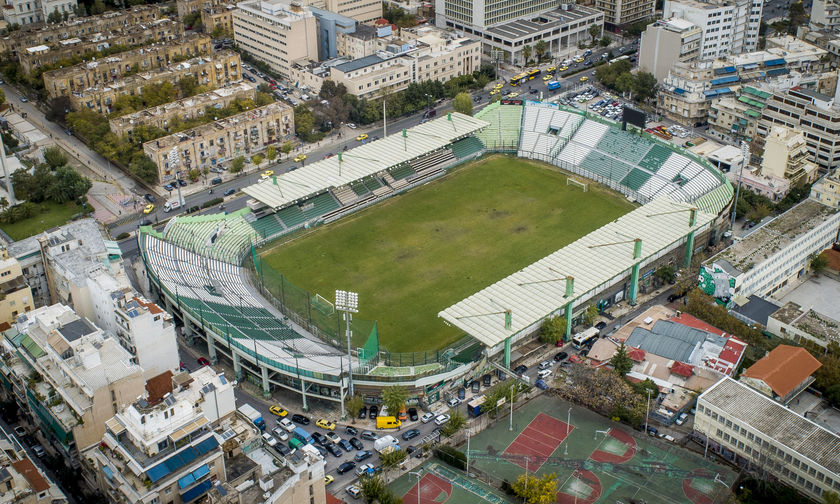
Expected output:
(153, 308)
(158, 386)
(5, 326)
(682, 369)
(332, 499)
(833, 257)
(637, 354)
(690, 321)
(732, 351)
(784, 368)
(27, 469)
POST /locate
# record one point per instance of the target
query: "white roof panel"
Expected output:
(538, 290)
(364, 160)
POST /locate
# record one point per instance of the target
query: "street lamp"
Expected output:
(568, 424)
(348, 302)
(647, 411)
(417, 474)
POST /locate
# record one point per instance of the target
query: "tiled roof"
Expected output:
(784, 368)
(159, 386)
(27, 469)
(636, 354)
(681, 369)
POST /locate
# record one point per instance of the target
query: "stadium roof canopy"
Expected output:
(363, 161)
(596, 261)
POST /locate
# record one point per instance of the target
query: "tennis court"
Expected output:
(537, 441)
(600, 461)
(442, 484)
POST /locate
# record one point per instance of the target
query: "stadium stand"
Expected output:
(401, 172)
(624, 145)
(605, 166)
(654, 158)
(545, 130)
(505, 124)
(467, 147)
(221, 236)
(268, 226)
(345, 195)
(432, 160)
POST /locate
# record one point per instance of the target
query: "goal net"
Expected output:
(574, 182)
(321, 304)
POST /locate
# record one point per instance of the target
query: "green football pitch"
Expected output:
(413, 255)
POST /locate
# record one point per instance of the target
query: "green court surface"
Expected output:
(657, 471)
(457, 488)
(413, 255)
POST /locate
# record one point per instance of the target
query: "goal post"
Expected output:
(322, 304)
(575, 182)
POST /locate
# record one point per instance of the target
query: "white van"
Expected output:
(171, 205)
(544, 373)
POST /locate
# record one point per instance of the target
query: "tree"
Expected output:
(218, 32)
(536, 490)
(143, 167)
(540, 48)
(271, 153)
(463, 104)
(605, 41)
(644, 86)
(205, 171)
(831, 497)
(392, 458)
(287, 147)
(54, 157)
(590, 314)
(457, 421)
(2, 96)
(257, 159)
(526, 53)
(373, 488)
(818, 262)
(193, 174)
(237, 164)
(4, 203)
(620, 361)
(553, 329)
(54, 17)
(594, 32)
(353, 405)
(394, 398)
(98, 7)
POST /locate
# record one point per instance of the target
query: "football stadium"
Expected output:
(459, 235)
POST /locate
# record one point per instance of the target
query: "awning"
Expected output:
(679, 90)
(725, 70)
(108, 472)
(749, 66)
(115, 426)
(724, 80)
(187, 429)
(194, 476)
(774, 62)
(773, 72)
(197, 491)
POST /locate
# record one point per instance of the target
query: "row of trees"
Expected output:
(617, 76)
(755, 206)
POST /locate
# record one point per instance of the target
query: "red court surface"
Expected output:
(433, 490)
(626, 439)
(589, 479)
(694, 495)
(537, 441)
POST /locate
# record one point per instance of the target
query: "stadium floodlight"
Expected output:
(348, 302)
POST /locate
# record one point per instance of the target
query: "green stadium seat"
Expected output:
(655, 158)
(624, 145)
(467, 147)
(636, 179)
(402, 171)
(291, 216)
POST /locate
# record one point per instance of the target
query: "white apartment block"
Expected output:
(729, 26)
(825, 15)
(827, 190)
(667, 42)
(276, 32)
(24, 12)
(779, 251)
(751, 429)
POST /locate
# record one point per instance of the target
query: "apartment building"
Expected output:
(827, 190)
(750, 429)
(63, 81)
(618, 13)
(218, 16)
(215, 71)
(164, 445)
(779, 251)
(667, 42)
(816, 114)
(24, 12)
(359, 43)
(21, 481)
(88, 46)
(363, 11)
(15, 42)
(786, 156)
(68, 377)
(221, 141)
(505, 29)
(729, 26)
(735, 118)
(166, 115)
(825, 15)
(15, 295)
(276, 33)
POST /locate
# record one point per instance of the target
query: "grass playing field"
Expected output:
(416, 254)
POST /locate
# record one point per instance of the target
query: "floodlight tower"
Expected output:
(508, 327)
(634, 273)
(689, 241)
(348, 303)
(570, 288)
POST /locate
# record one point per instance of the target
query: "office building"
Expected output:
(63, 81)
(88, 47)
(15, 295)
(276, 33)
(729, 26)
(620, 13)
(21, 481)
(356, 44)
(215, 71)
(748, 428)
(171, 114)
(779, 251)
(827, 190)
(68, 377)
(667, 42)
(221, 141)
(164, 446)
(505, 29)
(786, 156)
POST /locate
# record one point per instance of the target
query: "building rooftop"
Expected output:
(784, 368)
(741, 404)
(778, 233)
(359, 63)
(817, 325)
(28, 470)
(675, 341)
(755, 308)
(522, 28)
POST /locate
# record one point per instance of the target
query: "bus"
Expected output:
(518, 78)
(620, 58)
(533, 73)
(581, 339)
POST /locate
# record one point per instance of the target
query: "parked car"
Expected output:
(363, 412)
(454, 402)
(277, 410)
(410, 434)
(600, 325)
(300, 419)
(427, 417)
(325, 424)
(365, 469)
(230, 191)
(370, 436)
(203, 362)
(280, 434)
(355, 443)
(544, 373)
(39, 451)
(541, 384)
(333, 449)
(373, 411)
(520, 369)
(332, 436)
(345, 445)
(269, 439)
(20, 431)
(475, 386)
(487, 379)
(286, 424)
(354, 491)
(682, 418)
(319, 438)
(283, 449)
(345, 467)
(441, 419)
(412, 414)
(545, 364)
(150, 198)
(560, 356)
(351, 430)
(182, 183)
(363, 455)
(329, 478)
(321, 450)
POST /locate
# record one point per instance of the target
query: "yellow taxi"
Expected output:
(551, 69)
(584, 78)
(579, 60)
(493, 91)
(149, 209)
(548, 77)
(329, 478)
(277, 410)
(299, 158)
(563, 68)
(513, 95)
(325, 424)
(361, 137)
(499, 85)
(267, 173)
